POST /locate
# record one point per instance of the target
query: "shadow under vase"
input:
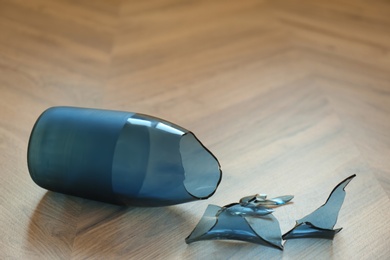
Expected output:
(64, 226)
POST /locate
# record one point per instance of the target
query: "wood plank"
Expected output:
(291, 96)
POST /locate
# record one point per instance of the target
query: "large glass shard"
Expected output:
(249, 220)
(120, 157)
(320, 223)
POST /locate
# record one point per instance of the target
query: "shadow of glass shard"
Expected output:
(320, 223)
(249, 220)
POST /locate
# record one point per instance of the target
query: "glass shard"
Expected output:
(320, 223)
(263, 201)
(248, 210)
(249, 220)
(120, 157)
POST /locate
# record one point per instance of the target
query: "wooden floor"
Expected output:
(291, 96)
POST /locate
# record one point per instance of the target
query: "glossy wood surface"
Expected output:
(291, 96)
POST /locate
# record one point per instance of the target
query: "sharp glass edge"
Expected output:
(251, 220)
(217, 223)
(320, 223)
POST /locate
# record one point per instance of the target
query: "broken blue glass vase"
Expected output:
(120, 157)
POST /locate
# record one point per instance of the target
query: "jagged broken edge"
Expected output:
(327, 233)
(209, 226)
(267, 242)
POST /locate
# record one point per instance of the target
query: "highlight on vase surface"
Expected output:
(120, 157)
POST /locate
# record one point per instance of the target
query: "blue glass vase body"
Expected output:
(120, 157)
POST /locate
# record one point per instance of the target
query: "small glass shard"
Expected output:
(249, 220)
(263, 201)
(248, 210)
(320, 223)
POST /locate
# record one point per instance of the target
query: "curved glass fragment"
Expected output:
(120, 157)
(247, 220)
(320, 223)
(261, 200)
(248, 210)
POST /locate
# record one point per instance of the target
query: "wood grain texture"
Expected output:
(291, 96)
